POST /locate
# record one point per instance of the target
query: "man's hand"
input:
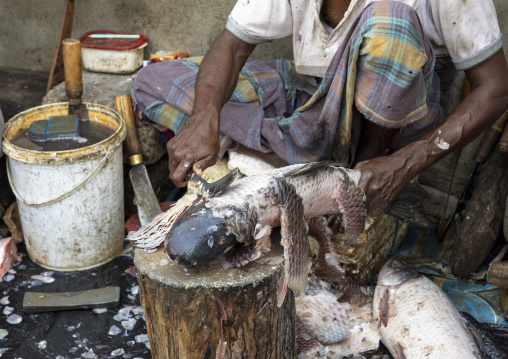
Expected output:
(197, 143)
(382, 179)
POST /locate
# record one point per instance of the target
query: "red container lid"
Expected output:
(112, 44)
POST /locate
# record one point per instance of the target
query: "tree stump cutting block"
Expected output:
(183, 310)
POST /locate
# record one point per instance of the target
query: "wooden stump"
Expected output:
(183, 316)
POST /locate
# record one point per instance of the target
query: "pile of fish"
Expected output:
(336, 315)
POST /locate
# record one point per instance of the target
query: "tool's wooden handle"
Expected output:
(71, 49)
(123, 105)
(490, 139)
(503, 142)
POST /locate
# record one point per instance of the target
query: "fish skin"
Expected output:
(418, 319)
(286, 197)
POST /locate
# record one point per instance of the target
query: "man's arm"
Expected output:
(384, 177)
(198, 141)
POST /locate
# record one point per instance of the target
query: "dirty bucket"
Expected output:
(71, 203)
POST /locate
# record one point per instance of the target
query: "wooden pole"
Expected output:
(56, 74)
(189, 313)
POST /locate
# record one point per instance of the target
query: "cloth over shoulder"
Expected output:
(467, 31)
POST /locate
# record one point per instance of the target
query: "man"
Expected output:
(370, 94)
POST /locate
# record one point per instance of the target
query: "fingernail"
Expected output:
(186, 164)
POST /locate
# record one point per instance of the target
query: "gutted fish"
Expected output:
(237, 222)
(417, 319)
(233, 220)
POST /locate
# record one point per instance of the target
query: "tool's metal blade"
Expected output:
(79, 110)
(148, 204)
(215, 188)
(36, 302)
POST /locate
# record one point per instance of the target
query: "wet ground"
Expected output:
(118, 332)
(19, 91)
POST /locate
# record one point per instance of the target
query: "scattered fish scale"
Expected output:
(14, 319)
(323, 317)
(8, 310)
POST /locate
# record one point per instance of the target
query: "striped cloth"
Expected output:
(385, 72)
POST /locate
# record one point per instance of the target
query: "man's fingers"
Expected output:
(179, 171)
(204, 163)
(197, 169)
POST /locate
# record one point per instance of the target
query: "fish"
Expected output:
(417, 319)
(233, 223)
(8, 254)
(236, 224)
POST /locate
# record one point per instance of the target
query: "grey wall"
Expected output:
(29, 28)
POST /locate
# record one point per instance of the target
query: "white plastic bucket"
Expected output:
(71, 203)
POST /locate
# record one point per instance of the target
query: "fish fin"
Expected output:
(154, 233)
(293, 237)
(383, 307)
(399, 351)
(351, 204)
(352, 291)
(308, 167)
(327, 263)
(213, 189)
(407, 208)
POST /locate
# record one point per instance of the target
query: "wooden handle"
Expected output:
(71, 49)
(123, 105)
(503, 142)
(491, 138)
(498, 274)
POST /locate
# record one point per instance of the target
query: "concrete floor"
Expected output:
(21, 90)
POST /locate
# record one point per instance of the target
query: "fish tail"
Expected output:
(154, 233)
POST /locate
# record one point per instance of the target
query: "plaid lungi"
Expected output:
(385, 72)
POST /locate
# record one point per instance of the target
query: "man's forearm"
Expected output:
(219, 71)
(476, 113)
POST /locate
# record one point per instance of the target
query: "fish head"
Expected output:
(395, 272)
(198, 236)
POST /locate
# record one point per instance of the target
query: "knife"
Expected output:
(147, 203)
(36, 302)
